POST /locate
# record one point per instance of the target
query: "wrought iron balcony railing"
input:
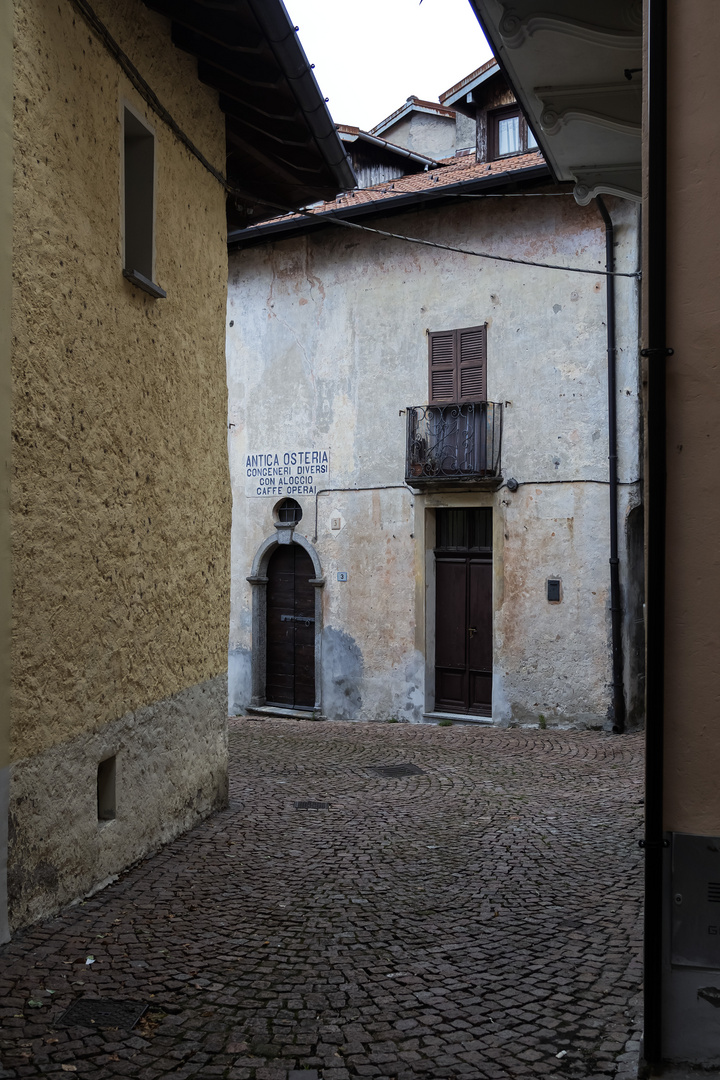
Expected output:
(453, 442)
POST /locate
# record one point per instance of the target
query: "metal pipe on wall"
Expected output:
(618, 692)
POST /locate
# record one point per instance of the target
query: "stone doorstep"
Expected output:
(457, 718)
(278, 711)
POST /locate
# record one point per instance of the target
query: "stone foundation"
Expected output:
(170, 771)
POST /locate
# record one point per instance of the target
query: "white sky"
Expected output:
(371, 55)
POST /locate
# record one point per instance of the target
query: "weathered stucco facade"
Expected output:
(121, 500)
(327, 348)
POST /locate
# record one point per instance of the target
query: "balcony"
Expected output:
(452, 444)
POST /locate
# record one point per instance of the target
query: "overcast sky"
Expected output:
(370, 56)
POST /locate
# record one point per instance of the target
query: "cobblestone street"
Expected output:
(477, 918)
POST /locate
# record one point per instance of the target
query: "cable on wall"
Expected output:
(635, 274)
(151, 98)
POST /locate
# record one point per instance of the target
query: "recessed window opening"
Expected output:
(139, 185)
(509, 136)
(508, 133)
(464, 530)
(106, 790)
(288, 511)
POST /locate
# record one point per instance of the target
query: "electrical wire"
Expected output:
(519, 195)
(479, 254)
(575, 480)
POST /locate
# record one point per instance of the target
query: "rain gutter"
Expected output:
(282, 38)
(618, 695)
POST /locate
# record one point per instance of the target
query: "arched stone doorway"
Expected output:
(286, 582)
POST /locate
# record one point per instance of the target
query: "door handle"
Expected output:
(472, 630)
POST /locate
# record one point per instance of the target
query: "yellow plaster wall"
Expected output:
(692, 686)
(121, 504)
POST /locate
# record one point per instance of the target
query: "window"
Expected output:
(509, 133)
(457, 365)
(288, 512)
(464, 530)
(139, 203)
(106, 790)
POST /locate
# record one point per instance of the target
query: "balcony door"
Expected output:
(463, 611)
(290, 671)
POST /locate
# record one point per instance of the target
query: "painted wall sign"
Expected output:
(282, 473)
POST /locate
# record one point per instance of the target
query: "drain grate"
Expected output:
(309, 804)
(394, 771)
(94, 1012)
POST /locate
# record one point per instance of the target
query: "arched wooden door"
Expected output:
(290, 671)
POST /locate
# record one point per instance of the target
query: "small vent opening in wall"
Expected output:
(714, 892)
(106, 789)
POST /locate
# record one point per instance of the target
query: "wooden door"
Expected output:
(463, 629)
(290, 671)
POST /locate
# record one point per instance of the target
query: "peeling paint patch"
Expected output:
(342, 675)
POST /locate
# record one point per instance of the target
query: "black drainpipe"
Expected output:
(618, 693)
(656, 352)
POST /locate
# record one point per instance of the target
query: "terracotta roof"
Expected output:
(469, 79)
(451, 171)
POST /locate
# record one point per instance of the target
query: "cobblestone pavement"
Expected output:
(478, 919)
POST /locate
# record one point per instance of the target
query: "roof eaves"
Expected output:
(282, 38)
(294, 224)
(475, 78)
(460, 90)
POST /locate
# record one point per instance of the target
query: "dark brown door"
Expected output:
(290, 677)
(463, 634)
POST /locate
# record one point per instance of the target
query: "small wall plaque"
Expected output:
(553, 590)
(342, 575)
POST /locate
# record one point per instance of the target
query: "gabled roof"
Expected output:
(350, 134)
(413, 104)
(470, 82)
(282, 146)
(454, 176)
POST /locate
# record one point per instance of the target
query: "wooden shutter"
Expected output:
(457, 365)
(442, 378)
(471, 354)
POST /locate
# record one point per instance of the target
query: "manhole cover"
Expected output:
(93, 1012)
(397, 770)
(309, 804)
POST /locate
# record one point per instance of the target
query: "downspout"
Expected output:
(618, 693)
(655, 352)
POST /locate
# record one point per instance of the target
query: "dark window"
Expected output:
(139, 145)
(464, 530)
(457, 365)
(289, 511)
(139, 204)
(508, 133)
(106, 790)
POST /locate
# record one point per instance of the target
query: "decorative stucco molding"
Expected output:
(613, 24)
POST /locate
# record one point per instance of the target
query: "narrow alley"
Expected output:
(455, 902)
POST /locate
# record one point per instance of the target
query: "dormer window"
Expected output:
(508, 133)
